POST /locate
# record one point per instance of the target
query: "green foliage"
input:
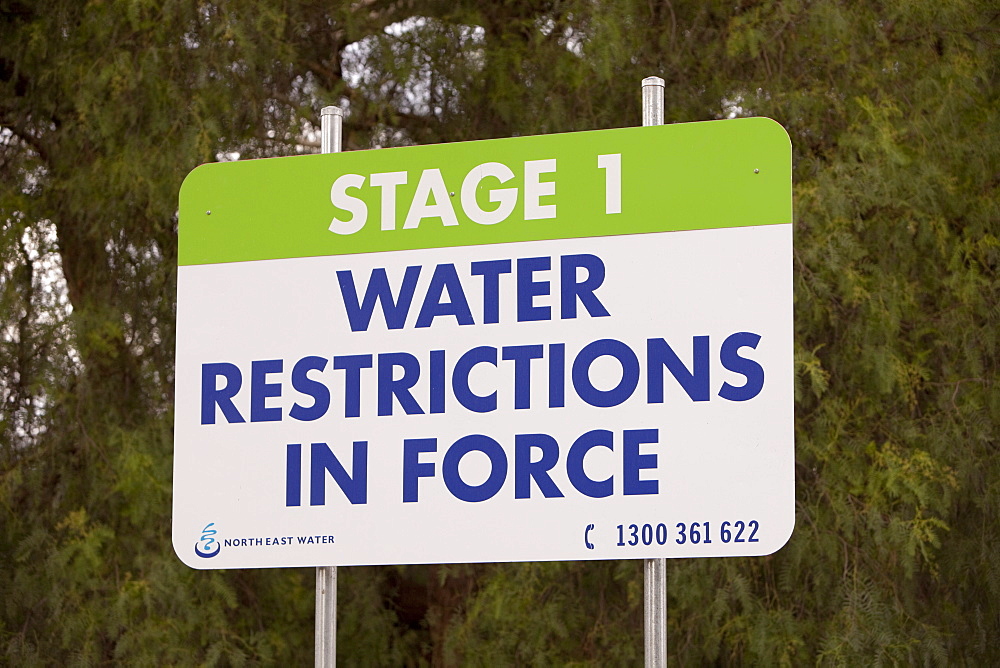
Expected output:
(105, 105)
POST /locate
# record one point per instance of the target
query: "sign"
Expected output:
(560, 347)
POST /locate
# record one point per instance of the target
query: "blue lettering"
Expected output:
(498, 468)
(525, 470)
(261, 390)
(359, 313)
(460, 380)
(695, 383)
(445, 278)
(293, 474)
(389, 387)
(596, 489)
(571, 290)
(437, 381)
(221, 397)
(557, 375)
(528, 289)
(490, 270)
(633, 462)
(748, 368)
(522, 356)
(323, 461)
(318, 391)
(625, 387)
(352, 365)
(413, 468)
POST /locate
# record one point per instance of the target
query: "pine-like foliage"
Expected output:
(891, 106)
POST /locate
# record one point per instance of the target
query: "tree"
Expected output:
(105, 106)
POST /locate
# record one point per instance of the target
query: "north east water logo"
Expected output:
(207, 547)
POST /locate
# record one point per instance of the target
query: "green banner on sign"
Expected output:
(584, 184)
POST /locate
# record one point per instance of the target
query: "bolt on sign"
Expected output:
(571, 346)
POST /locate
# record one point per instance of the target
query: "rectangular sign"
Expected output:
(561, 347)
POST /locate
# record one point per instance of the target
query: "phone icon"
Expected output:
(586, 536)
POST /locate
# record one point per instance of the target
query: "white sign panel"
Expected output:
(603, 397)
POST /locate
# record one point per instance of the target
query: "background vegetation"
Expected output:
(105, 105)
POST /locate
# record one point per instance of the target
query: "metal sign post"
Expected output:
(331, 128)
(561, 347)
(655, 572)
